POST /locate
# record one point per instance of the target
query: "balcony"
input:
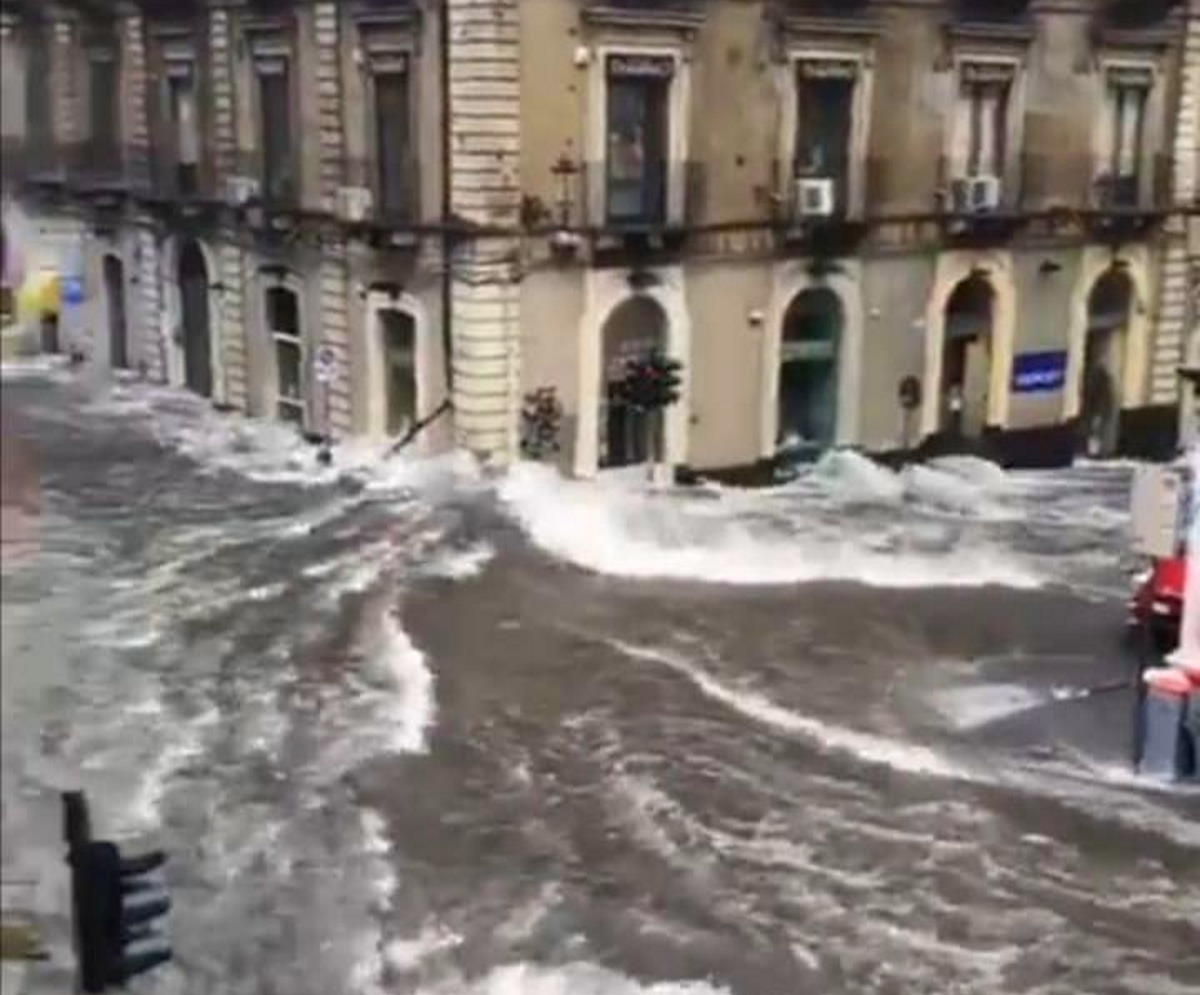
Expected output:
(101, 167)
(269, 187)
(991, 11)
(370, 197)
(997, 21)
(679, 15)
(1134, 15)
(92, 167)
(977, 207)
(849, 19)
(1135, 22)
(666, 195)
(1109, 199)
(33, 161)
(185, 187)
(825, 8)
(1122, 197)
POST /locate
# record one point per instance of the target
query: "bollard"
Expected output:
(1166, 747)
(1191, 719)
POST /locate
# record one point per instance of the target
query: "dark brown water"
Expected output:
(404, 733)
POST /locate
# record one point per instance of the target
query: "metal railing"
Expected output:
(664, 194)
(369, 194)
(991, 11)
(1086, 182)
(258, 181)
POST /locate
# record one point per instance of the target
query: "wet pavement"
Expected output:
(406, 729)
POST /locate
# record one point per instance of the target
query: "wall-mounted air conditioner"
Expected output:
(975, 194)
(240, 190)
(353, 204)
(815, 197)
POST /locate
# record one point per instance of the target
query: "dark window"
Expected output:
(103, 95)
(38, 121)
(399, 347)
(392, 142)
(825, 115)
(278, 158)
(283, 324)
(185, 130)
(637, 139)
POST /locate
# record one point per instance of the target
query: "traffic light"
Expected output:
(116, 902)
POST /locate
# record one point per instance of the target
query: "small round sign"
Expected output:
(909, 392)
(324, 363)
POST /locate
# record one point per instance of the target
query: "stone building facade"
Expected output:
(891, 224)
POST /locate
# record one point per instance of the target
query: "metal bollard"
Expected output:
(1167, 747)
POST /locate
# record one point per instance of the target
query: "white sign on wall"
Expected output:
(1158, 507)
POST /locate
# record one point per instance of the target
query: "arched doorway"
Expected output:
(1109, 306)
(636, 328)
(808, 370)
(197, 338)
(964, 392)
(398, 341)
(114, 294)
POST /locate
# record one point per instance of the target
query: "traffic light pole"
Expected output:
(115, 904)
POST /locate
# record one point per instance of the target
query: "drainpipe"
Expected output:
(446, 180)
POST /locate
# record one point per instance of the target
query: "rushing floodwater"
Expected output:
(406, 729)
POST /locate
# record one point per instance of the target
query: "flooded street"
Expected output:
(404, 728)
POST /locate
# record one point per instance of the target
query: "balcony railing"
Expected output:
(1148, 189)
(175, 181)
(90, 166)
(257, 182)
(100, 165)
(991, 11)
(1133, 15)
(1084, 182)
(667, 194)
(370, 195)
(964, 191)
(33, 159)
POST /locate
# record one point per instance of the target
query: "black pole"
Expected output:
(77, 823)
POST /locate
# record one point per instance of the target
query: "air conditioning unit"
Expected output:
(815, 197)
(353, 204)
(976, 194)
(240, 190)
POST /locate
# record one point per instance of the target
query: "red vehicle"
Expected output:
(1156, 605)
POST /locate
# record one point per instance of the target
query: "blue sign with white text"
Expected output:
(1039, 372)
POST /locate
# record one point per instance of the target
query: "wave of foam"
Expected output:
(760, 709)
(571, 979)
(42, 367)
(611, 526)
(459, 564)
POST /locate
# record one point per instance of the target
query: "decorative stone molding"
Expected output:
(683, 16)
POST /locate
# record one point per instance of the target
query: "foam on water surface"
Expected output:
(610, 526)
(579, 978)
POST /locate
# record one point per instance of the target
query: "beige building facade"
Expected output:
(969, 195)
(892, 224)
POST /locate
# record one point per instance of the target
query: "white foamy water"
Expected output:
(183, 674)
(42, 367)
(759, 708)
(572, 979)
(613, 527)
